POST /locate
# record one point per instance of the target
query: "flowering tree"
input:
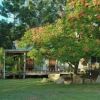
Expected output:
(75, 35)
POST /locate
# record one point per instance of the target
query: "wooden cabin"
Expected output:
(14, 53)
(24, 66)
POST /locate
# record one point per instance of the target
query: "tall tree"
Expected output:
(32, 13)
(6, 37)
(26, 14)
(74, 36)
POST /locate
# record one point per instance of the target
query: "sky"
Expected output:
(1, 17)
(0, 1)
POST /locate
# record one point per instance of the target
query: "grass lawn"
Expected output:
(33, 89)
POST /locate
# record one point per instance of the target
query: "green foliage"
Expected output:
(26, 40)
(14, 69)
(26, 14)
(36, 55)
(5, 35)
(9, 61)
(84, 20)
(75, 35)
(1, 54)
(1, 57)
(72, 37)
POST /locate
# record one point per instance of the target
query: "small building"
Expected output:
(15, 53)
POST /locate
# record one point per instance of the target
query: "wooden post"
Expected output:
(4, 66)
(24, 69)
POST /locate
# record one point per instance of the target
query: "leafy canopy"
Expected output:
(73, 36)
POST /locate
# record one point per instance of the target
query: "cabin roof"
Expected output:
(16, 51)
